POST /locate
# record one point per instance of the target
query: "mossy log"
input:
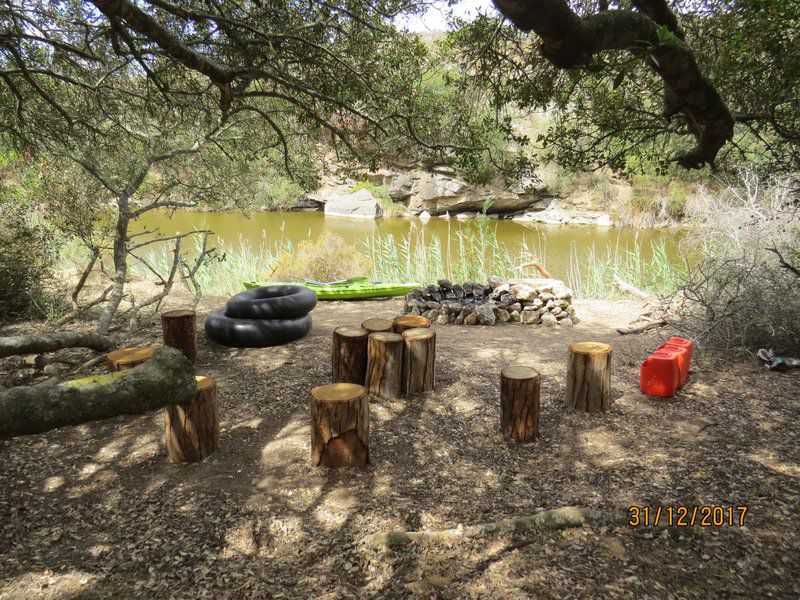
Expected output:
(167, 378)
(191, 432)
(349, 356)
(179, 330)
(50, 342)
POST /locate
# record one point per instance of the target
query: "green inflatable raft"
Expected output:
(354, 288)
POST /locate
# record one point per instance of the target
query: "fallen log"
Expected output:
(558, 518)
(633, 290)
(166, 379)
(50, 342)
(641, 328)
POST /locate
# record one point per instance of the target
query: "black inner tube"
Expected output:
(255, 333)
(272, 302)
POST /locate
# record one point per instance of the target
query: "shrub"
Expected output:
(325, 258)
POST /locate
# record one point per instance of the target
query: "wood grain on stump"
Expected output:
(385, 364)
(191, 432)
(127, 358)
(404, 322)
(339, 425)
(519, 403)
(349, 356)
(179, 331)
(419, 358)
(589, 377)
(378, 325)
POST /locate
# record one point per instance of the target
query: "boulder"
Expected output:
(359, 204)
(503, 315)
(549, 320)
(472, 319)
(523, 292)
(567, 322)
(485, 314)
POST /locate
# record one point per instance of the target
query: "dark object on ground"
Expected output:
(777, 363)
(255, 333)
(167, 378)
(272, 302)
(264, 316)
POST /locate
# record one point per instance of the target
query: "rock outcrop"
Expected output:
(358, 204)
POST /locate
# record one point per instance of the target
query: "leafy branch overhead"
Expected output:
(650, 32)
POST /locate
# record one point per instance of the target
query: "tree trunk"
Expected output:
(589, 377)
(191, 432)
(404, 322)
(519, 403)
(419, 360)
(165, 379)
(128, 358)
(349, 356)
(50, 342)
(120, 255)
(377, 325)
(339, 425)
(179, 331)
(385, 364)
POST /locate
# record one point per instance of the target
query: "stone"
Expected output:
(431, 314)
(359, 204)
(415, 311)
(514, 316)
(424, 215)
(458, 291)
(411, 305)
(546, 297)
(523, 292)
(503, 315)
(508, 299)
(571, 311)
(530, 317)
(495, 282)
(431, 289)
(562, 304)
(550, 305)
(432, 304)
(478, 292)
(516, 306)
(471, 319)
(567, 322)
(537, 303)
(445, 284)
(549, 320)
(564, 295)
(436, 296)
(556, 311)
(443, 319)
(605, 220)
(485, 314)
(459, 319)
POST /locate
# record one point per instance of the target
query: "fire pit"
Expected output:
(527, 301)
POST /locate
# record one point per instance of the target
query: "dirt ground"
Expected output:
(96, 511)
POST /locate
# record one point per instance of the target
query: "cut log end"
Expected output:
(349, 355)
(191, 432)
(377, 325)
(519, 403)
(588, 377)
(404, 322)
(127, 358)
(339, 425)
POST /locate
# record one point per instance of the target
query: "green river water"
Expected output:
(553, 244)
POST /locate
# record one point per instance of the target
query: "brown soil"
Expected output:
(96, 511)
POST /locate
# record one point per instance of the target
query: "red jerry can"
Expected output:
(660, 374)
(682, 354)
(683, 343)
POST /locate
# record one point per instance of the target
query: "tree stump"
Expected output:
(127, 358)
(339, 425)
(519, 403)
(385, 364)
(404, 322)
(179, 331)
(349, 357)
(378, 325)
(419, 358)
(191, 432)
(589, 377)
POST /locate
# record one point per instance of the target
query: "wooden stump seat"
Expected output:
(519, 403)
(377, 325)
(339, 425)
(419, 359)
(385, 364)
(179, 331)
(404, 322)
(191, 432)
(127, 358)
(349, 356)
(588, 377)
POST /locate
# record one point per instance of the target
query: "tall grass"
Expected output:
(592, 275)
(466, 254)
